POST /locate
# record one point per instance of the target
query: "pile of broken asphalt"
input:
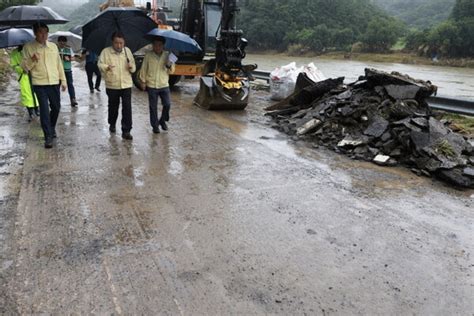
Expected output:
(382, 117)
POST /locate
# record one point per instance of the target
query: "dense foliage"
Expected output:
(454, 37)
(62, 7)
(83, 14)
(419, 14)
(317, 25)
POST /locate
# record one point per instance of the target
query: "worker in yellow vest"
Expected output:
(26, 90)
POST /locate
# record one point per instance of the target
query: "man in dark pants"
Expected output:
(117, 65)
(154, 76)
(41, 59)
(91, 69)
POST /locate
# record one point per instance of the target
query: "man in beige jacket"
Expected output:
(154, 76)
(42, 61)
(116, 64)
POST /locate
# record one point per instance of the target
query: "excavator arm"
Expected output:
(225, 85)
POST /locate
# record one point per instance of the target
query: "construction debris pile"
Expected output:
(382, 117)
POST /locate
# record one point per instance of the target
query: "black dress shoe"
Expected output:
(48, 143)
(127, 136)
(163, 125)
(112, 129)
(92, 90)
(156, 130)
(97, 88)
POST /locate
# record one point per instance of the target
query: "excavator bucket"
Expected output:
(212, 96)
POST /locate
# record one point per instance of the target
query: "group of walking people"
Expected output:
(44, 69)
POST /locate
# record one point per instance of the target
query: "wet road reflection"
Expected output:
(222, 214)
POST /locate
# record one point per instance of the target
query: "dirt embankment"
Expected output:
(394, 57)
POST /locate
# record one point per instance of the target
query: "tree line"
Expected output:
(317, 25)
(8, 3)
(418, 14)
(342, 25)
(453, 37)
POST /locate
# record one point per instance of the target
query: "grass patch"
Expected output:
(399, 45)
(460, 123)
(445, 148)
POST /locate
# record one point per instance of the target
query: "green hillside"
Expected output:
(81, 15)
(318, 25)
(453, 37)
(418, 13)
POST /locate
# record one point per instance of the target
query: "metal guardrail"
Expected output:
(465, 107)
(459, 106)
(261, 75)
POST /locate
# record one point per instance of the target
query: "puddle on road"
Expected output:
(272, 139)
(365, 176)
(86, 212)
(6, 140)
(267, 137)
(136, 174)
(175, 168)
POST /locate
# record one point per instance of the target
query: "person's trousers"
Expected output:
(164, 95)
(114, 96)
(70, 85)
(48, 98)
(91, 69)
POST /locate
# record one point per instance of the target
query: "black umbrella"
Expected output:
(25, 15)
(132, 22)
(175, 41)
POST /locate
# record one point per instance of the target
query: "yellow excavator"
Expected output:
(224, 80)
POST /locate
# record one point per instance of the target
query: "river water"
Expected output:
(452, 82)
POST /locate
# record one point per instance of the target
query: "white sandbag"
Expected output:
(282, 81)
(314, 73)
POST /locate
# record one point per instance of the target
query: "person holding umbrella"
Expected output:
(153, 76)
(117, 65)
(41, 59)
(28, 98)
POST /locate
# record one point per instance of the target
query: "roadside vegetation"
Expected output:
(9, 3)
(460, 123)
(362, 29)
(418, 14)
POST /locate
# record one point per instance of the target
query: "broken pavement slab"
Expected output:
(381, 159)
(384, 114)
(308, 126)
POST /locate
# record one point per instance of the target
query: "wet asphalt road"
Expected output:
(219, 215)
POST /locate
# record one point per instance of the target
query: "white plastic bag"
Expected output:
(283, 79)
(313, 72)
